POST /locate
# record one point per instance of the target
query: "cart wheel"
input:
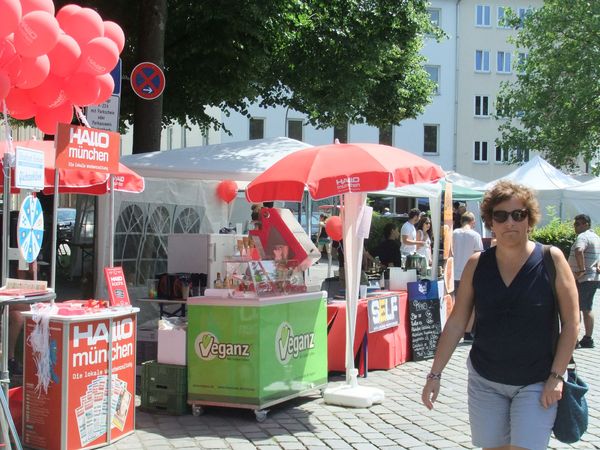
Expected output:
(261, 414)
(197, 410)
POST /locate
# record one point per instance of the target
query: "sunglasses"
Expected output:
(518, 215)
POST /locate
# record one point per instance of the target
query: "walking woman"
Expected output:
(515, 371)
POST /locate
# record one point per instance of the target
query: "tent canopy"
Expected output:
(239, 161)
(539, 175)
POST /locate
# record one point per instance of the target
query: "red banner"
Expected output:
(85, 148)
(117, 288)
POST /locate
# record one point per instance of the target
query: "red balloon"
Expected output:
(49, 94)
(334, 228)
(36, 34)
(227, 190)
(33, 72)
(99, 56)
(82, 89)
(19, 105)
(47, 119)
(64, 57)
(4, 84)
(107, 86)
(83, 26)
(115, 33)
(9, 60)
(37, 5)
(65, 12)
(10, 17)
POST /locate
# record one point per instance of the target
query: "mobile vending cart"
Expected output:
(90, 399)
(255, 352)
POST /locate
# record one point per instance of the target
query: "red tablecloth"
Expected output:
(383, 349)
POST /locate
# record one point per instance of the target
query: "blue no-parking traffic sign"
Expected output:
(147, 80)
(30, 229)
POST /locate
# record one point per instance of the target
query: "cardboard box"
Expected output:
(172, 347)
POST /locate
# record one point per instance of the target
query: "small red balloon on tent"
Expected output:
(227, 190)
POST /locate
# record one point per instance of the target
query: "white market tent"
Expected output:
(548, 181)
(583, 199)
(180, 197)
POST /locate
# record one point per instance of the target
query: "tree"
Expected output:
(336, 60)
(553, 105)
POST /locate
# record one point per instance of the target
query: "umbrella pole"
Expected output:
(351, 394)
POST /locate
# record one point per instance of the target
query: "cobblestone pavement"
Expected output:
(400, 422)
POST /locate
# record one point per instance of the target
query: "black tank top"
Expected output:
(514, 325)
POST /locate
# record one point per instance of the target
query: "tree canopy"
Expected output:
(554, 105)
(335, 60)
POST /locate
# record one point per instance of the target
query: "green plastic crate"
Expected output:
(164, 402)
(164, 377)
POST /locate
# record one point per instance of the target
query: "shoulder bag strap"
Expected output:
(551, 269)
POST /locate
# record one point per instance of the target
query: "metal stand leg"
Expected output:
(6, 419)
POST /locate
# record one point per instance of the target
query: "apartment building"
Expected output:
(486, 59)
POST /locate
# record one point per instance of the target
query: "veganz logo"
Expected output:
(288, 346)
(208, 347)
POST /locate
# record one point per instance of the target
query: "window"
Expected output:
(430, 138)
(341, 134)
(482, 16)
(257, 128)
(501, 154)
(502, 107)
(294, 129)
(480, 151)
(523, 13)
(522, 155)
(434, 16)
(481, 106)
(503, 62)
(386, 135)
(501, 17)
(434, 75)
(482, 60)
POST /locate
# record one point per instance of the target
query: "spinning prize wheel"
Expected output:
(30, 228)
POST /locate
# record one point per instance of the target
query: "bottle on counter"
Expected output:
(218, 281)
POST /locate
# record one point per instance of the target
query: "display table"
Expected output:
(255, 352)
(90, 400)
(383, 349)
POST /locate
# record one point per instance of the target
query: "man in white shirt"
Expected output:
(584, 260)
(465, 242)
(408, 233)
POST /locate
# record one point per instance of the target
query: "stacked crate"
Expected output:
(164, 388)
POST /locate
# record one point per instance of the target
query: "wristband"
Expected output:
(556, 376)
(434, 376)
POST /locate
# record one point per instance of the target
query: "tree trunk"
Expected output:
(150, 48)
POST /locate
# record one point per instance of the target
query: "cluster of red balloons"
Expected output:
(49, 64)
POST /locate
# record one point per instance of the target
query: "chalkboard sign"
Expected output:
(425, 327)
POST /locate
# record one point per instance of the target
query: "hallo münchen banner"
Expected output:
(82, 148)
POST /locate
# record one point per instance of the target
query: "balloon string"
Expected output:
(6, 128)
(81, 116)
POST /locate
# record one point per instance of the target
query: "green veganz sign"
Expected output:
(208, 347)
(290, 346)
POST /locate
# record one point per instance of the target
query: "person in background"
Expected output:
(323, 239)
(424, 234)
(388, 249)
(515, 370)
(386, 211)
(408, 233)
(584, 260)
(465, 242)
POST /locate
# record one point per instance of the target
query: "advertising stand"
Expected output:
(255, 352)
(90, 399)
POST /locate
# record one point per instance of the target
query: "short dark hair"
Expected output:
(388, 228)
(583, 217)
(414, 212)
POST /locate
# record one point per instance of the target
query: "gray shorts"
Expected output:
(501, 414)
(586, 291)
